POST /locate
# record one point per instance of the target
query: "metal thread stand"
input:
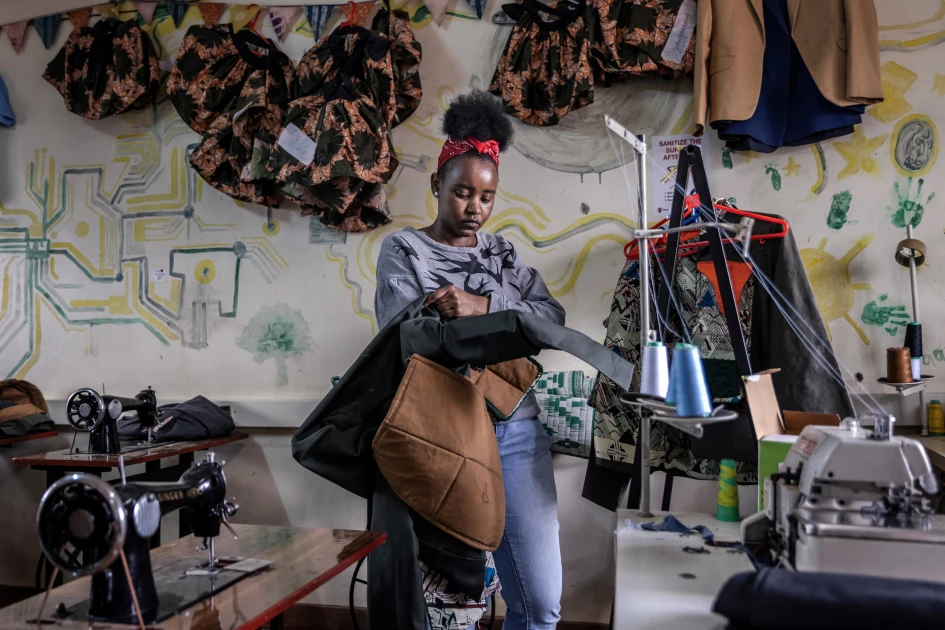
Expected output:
(643, 235)
(915, 249)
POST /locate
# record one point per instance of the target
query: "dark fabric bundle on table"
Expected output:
(105, 69)
(196, 419)
(780, 599)
(23, 409)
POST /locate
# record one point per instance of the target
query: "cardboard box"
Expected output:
(776, 431)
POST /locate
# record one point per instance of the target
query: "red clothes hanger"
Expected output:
(691, 204)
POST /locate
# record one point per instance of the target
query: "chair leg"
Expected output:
(354, 580)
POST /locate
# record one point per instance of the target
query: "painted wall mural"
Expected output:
(120, 266)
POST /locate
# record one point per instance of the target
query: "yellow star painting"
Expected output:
(896, 81)
(939, 84)
(792, 167)
(858, 152)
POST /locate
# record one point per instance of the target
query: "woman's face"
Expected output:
(465, 191)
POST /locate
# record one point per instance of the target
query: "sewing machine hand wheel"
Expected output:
(80, 513)
(85, 409)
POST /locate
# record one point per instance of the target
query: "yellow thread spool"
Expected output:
(936, 418)
(727, 498)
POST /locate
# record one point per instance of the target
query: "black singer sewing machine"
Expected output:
(86, 410)
(87, 525)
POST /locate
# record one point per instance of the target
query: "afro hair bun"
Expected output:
(478, 115)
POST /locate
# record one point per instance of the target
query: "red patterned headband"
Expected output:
(452, 148)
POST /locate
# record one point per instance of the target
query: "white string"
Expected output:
(780, 301)
(652, 284)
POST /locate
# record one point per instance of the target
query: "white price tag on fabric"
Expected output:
(683, 27)
(297, 144)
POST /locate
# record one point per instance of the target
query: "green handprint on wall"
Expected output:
(772, 169)
(908, 210)
(890, 316)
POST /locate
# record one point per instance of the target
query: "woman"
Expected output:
(467, 273)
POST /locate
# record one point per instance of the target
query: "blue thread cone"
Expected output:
(687, 384)
(671, 390)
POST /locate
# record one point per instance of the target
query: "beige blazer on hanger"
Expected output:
(838, 40)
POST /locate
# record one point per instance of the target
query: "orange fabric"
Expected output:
(357, 13)
(505, 384)
(437, 450)
(739, 272)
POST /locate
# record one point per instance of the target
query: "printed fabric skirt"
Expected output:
(405, 54)
(545, 70)
(105, 69)
(234, 88)
(336, 152)
(630, 37)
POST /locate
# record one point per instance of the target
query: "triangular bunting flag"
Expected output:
(478, 5)
(177, 11)
(437, 9)
(283, 20)
(318, 16)
(108, 10)
(146, 9)
(79, 17)
(48, 28)
(357, 13)
(211, 12)
(243, 14)
(16, 32)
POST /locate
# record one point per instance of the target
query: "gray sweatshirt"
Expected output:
(412, 264)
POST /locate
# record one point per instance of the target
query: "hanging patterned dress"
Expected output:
(630, 37)
(345, 107)
(545, 70)
(105, 69)
(234, 88)
(406, 54)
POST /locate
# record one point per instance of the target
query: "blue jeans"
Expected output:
(528, 559)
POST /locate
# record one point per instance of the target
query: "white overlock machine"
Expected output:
(854, 500)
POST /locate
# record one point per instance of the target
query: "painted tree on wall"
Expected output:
(276, 332)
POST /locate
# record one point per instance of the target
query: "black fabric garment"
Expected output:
(395, 592)
(335, 440)
(33, 423)
(394, 588)
(779, 599)
(196, 419)
(802, 385)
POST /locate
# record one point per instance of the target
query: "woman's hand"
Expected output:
(451, 301)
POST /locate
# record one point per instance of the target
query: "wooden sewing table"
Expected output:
(302, 561)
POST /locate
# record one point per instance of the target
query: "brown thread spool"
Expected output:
(898, 368)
